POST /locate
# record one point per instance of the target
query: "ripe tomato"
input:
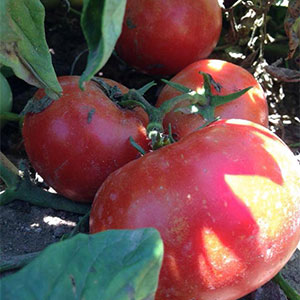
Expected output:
(251, 106)
(228, 209)
(162, 37)
(81, 138)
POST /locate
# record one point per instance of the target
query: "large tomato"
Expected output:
(162, 37)
(81, 138)
(251, 106)
(226, 200)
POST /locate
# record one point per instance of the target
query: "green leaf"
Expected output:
(5, 97)
(114, 264)
(219, 100)
(23, 45)
(144, 89)
(177, 86)
(101, 23)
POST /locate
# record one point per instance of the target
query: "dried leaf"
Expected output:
(283, 74)
(292, 26)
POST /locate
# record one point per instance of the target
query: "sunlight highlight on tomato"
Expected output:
(226, 200)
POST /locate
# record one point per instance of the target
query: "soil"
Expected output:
(25, 228)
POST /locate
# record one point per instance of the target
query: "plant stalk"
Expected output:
(22, 188)
(17, 262)
(289, 291)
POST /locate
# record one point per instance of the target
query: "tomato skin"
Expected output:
(228, 210)
(252, 106)
(161, 38)
(81, 138)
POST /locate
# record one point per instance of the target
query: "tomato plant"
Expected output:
(78, 140)
(226, 201)
(6, 100)
(251, 106)
(163, 37)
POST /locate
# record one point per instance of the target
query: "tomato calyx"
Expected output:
(155, 129)
(112, 92)
(135, 98)
(35, 105)
(203, 101)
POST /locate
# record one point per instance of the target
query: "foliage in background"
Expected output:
(101, 23)
(23, 45)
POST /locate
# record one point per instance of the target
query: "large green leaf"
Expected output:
(101, 23)
(23, 45)
(111, 265)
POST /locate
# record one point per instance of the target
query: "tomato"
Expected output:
(226, 200)
(81, 138)
(251, 106)
(162, 37)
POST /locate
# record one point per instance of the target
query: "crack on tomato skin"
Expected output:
(56, 175)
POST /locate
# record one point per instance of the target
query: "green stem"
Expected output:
(137, 146)
(80, 227)
(8, 172)
(205, 101)
(22, 188)
(146, 87)
(294, 145)
(156, 115)
(289, 291)
(17, 262)
(8, 116)
(74, 11)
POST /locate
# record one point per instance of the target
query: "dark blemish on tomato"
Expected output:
(90, 115)
(130, 24)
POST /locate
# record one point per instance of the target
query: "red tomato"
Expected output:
(81, 138)
(251, 106)
(162, 37)
(228, 209)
